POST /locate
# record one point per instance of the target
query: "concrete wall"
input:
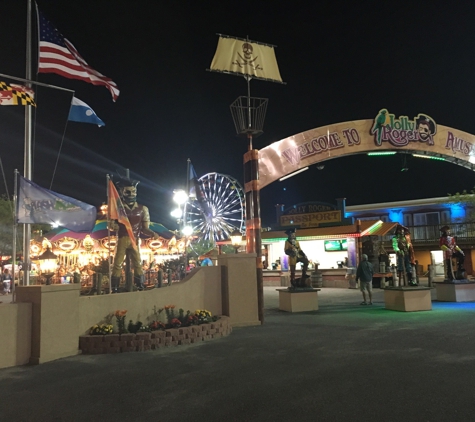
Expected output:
(200, 291)
(46, 322)
(15, 335)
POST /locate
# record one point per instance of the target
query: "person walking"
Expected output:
(364, 272)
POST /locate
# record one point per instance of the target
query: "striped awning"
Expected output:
(366, 228)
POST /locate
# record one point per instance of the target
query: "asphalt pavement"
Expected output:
(344, 362)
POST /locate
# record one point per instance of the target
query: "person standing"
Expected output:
(7, 280)
(364, 273)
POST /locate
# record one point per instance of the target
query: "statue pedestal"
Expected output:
(455, 292)
(298, 300)
(408, 299)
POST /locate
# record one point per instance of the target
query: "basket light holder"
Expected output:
(249, 114)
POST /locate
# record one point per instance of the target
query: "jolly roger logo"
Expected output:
(400, 131)
(246, 58)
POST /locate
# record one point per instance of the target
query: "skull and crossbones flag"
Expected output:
(243, 57)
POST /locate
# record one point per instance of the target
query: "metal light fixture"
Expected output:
(236, 239)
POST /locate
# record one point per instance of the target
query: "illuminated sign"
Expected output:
(311, 219)
(335, 245)
(384, 133)
(399, 132)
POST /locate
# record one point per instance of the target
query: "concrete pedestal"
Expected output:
(407, 299)
(455, 292)
(298, 300)
(55, 316)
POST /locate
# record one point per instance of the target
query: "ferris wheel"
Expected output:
(217, 209)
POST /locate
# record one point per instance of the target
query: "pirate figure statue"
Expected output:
(405, 253)
(292, 249)
(139, 219)
(449, 245)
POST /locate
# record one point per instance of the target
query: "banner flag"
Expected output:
(81, 112)
(58, 55)
(16, 95)
(117, 212)
(37, 205)
(196, 191)
(246, 58)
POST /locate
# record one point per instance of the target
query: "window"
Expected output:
(430, 221)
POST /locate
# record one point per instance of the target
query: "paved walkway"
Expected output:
(345, 362)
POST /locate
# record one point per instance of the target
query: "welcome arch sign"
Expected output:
(386, 132)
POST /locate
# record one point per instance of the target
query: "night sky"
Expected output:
(341, 61)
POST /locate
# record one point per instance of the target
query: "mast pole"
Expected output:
(253, 213)
(27, 153)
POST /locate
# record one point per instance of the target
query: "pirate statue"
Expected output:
(139, 219)
(449, 245)
(292, 249)
(405, 253)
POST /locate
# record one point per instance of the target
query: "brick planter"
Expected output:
(121, 343)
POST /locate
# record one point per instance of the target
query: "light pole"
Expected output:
(180, 197)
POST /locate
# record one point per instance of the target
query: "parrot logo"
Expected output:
(381, 120)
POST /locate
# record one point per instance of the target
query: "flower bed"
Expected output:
(141, 341)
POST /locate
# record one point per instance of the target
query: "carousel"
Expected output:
(61, 253)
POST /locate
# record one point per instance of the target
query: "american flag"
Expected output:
(117, 212)
(58, 55)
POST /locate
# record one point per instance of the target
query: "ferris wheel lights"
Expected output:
(180, 196)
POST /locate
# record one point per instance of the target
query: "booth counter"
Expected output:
(332, 277)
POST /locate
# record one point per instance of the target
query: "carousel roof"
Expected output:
(100, 232)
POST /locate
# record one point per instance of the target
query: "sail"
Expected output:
(246, 58)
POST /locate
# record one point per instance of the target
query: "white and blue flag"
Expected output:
(42, 206)
(81, 112)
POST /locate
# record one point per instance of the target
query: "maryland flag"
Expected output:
(16, 95)
(117, 212)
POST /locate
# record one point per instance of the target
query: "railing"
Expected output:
(464, 233)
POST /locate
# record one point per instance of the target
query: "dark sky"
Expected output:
(341, 60)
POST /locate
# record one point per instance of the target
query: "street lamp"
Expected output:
(48, 264)
(180, 197)
(236, 239)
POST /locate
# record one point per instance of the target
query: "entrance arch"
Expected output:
(385, 133)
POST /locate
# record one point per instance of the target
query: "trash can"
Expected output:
(316, 278)
(351, 276)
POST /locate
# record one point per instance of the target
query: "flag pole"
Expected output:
(29, 81)
(27, 153)
(188, 162)
(109, 233)
(15, 226)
